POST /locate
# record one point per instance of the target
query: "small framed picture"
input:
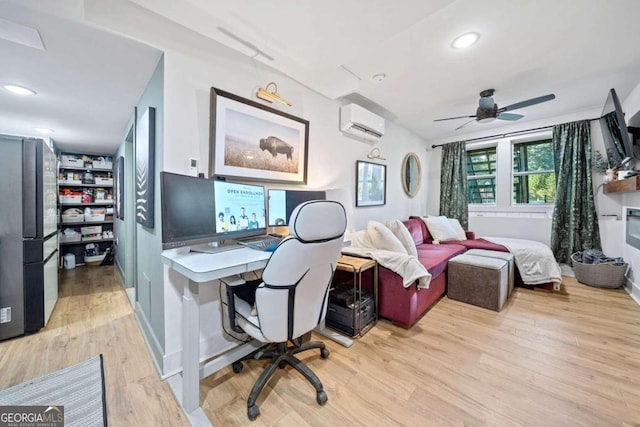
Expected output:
(371, 184)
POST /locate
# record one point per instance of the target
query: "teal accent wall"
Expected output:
(148, 245)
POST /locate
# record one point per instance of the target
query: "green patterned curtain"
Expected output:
(575, 223)
(453, 183)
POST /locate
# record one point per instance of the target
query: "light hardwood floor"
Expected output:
(553, 359)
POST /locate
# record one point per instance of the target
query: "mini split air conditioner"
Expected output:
(359, 123)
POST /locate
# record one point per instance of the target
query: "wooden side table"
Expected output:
(357, 266)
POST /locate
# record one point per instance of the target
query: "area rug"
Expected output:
(78, 388)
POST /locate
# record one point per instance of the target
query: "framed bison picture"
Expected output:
(251, 141)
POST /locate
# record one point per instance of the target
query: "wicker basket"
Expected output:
(604, 275)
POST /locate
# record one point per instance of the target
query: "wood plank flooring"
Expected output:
(554, 359)
(93, 316)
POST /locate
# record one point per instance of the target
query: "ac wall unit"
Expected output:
(360, 123)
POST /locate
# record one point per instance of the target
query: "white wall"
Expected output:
(332, 158)
(631, 106)
(192, 65)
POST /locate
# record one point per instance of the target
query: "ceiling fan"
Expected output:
(488, 110)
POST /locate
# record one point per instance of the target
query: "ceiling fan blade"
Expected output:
(509, 116)
(463, 125)
(453, 118)
(528, 103)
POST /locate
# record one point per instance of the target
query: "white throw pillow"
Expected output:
(456, 226)
(383, 238)
(360, 239)
(400, 231)
(441, 229)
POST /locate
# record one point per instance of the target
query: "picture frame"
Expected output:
(145, 155)
(250, 141)
(371, 184)
(118, 188)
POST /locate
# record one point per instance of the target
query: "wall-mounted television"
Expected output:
(617, 142)
(188, 210)
(283, 202)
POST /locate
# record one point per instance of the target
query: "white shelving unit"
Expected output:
(85, 188)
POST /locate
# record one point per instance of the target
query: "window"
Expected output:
(481, 176)
(534, 180)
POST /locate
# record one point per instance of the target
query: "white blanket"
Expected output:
(535, 261)
(406, 266)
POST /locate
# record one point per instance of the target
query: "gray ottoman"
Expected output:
(507, 256)
(478, 280)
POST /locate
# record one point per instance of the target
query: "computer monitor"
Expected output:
(187, 206)
(283, 202)
(239, 210)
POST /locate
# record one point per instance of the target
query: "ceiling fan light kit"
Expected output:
(272, 95)
(488, 110)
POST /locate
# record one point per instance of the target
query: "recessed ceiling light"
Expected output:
(19, 90)
(44, 130)
(378, 77)
(465, 40)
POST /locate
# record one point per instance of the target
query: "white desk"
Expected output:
(200, 268)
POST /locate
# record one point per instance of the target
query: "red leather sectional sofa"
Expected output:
(404, 306)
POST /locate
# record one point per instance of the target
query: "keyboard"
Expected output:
(261, 244)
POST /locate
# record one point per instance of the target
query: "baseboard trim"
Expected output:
(633, 289)
(153, 346)
(119, 269)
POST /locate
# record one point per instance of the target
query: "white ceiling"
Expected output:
(577, 49)
(87, 81)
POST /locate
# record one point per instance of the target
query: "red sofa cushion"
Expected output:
(435, 257)
(417, 234)
(479, 244)
(426, 237)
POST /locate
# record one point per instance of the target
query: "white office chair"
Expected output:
(292, 298)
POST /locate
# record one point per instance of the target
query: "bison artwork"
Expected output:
(275, 145)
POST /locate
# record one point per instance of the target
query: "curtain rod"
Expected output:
(504, 135)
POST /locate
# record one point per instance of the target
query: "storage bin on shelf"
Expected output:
(93, 261)
(72, 215)
(602, 275)
(67, 161)
(102, 163)
(103, 180)
(91, 237)
(92, 255)
(91, 229)
(70, 235)
(94, 214)
(71, 198)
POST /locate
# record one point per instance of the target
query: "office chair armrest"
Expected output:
(230, 282)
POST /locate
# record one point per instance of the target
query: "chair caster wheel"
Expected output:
(237, 367)
(253, 412)
(324, 353)
(282, 364)
(321, 398)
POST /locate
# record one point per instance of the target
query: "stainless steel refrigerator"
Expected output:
(28, 235)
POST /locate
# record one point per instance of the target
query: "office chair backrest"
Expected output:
(293, 298)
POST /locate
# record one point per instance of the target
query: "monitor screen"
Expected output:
(239, 210)
(283, 202)
(187, 206)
